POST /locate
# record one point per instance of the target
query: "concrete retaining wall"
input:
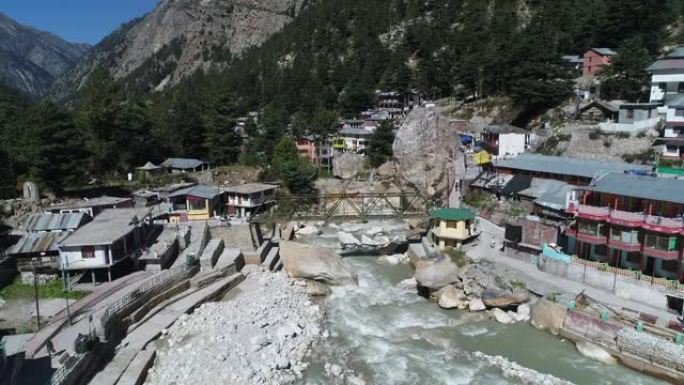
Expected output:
(211, 253)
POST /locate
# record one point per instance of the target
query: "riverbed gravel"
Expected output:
(260, 336)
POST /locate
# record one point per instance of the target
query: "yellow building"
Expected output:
(195, 203)
(451, 227)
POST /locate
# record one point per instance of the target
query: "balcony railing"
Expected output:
(669, 255)
(625, 218)
(623, 245)
(663, 225)
(593, 212)
(591, 238)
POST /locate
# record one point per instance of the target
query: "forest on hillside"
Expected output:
(327, 64)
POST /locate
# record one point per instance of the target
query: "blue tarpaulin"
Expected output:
(550, 252)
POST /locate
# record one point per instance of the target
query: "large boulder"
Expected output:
(595, 352)
(450, 297)
(408, 284)
(492, 298)
(501, 316)
(547, 315)
(348, 165)
(348, 239)
(476, 305)
(315, 288)
(486, 275)
(317, 263)
(436, 273)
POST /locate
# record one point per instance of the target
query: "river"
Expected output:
(393, 337)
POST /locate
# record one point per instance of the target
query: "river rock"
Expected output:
(450, 298)
(382, 241)
(316, 263)
(308, 230)
(595, 352)
(523, 313)
(436, 274)
(348, 165)
(394, 259)
(409, 284)
(315, 288)
(493, 299)
(476, 305)
(547, 315)
(367, 241)
(501, 316)
(483, 275)
(347, 239)
(374, 231)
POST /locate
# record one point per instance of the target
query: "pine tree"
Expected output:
(294, 171)
(57, 155)
(380, 144)
(221, 140)
(626, 78)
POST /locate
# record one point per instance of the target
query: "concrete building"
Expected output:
(505, 140)
(451, 227)
(318, 153)
(114, 236)
(91, 206)
(180, 165)
(195, 203)
(629, 221)
(667, 81)
(37, 247)
(671, 142)
(351, 140)
(595, 59)
(247, 199)
(618, 116)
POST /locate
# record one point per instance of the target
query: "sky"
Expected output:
(78, 21)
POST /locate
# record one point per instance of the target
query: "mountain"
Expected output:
(31, 60)
(179, 37)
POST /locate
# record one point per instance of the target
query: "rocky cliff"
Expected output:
(181, 36)
(428, 153)
(31, 60)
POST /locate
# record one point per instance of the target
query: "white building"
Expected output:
(505, 140)
(112, 237)
(667, 82)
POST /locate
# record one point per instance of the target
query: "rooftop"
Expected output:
(38, 243)
(183, 163)
(505, 129)
(149, 166)
(53, 222)
(354, 131)
(645, 187)
(108, 227)
(452, 214)
(250, 188)
(586, 168)
(199, 191)
(90, 202)
(604, 51)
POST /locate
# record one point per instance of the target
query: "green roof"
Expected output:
(453, 214)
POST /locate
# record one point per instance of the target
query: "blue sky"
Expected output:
(82, 21)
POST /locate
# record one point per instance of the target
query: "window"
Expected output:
(670, 266)
(630, 114)
(662, 86)
(650, 113)
(623, 234)
(634, 258)
(661, 242)
(679, 112)
(88, 252)
(680, 88)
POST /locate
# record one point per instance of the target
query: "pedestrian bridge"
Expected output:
(346, 207)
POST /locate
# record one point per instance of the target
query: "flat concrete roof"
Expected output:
(90, 202)
(108, 227)
(250, 188)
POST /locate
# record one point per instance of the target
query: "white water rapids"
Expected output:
(382, 335)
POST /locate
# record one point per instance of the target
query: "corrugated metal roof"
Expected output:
(453, 214)
(354, 131)
(53, 222)
(505, 129)
(586, 168)
(250, 188)
(91, 202)
(199, 191)
(182, 163)
(666, 64)
(605, 51)
(38, 243)
(645, 187)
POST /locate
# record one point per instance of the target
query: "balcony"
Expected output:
(669, 255)
(663, 225)
(615, 244)
(594, 213)
(625, 218)
(591, 238)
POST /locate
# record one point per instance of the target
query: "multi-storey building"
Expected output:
(629, 221)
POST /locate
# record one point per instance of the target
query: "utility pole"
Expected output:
(35, 290)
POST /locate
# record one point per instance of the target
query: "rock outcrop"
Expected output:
(316, 263)
(492, 298)
(426, 151)
(547, 315)
(436, 274)
(348, 165)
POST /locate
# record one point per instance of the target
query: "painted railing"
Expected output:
(633, 274)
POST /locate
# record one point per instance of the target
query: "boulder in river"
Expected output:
(315, 288)
(476, 305)
(394, 259)
(492, 298)
(347, 239)
(450, 298)
(548, 315)
(409, 284)
(308, 230)
(477, 277)
(595, 352)
(317, 263)
(436, 273)
(501, 316)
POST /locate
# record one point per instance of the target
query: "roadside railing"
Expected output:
(72, 365)
(632, 274)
